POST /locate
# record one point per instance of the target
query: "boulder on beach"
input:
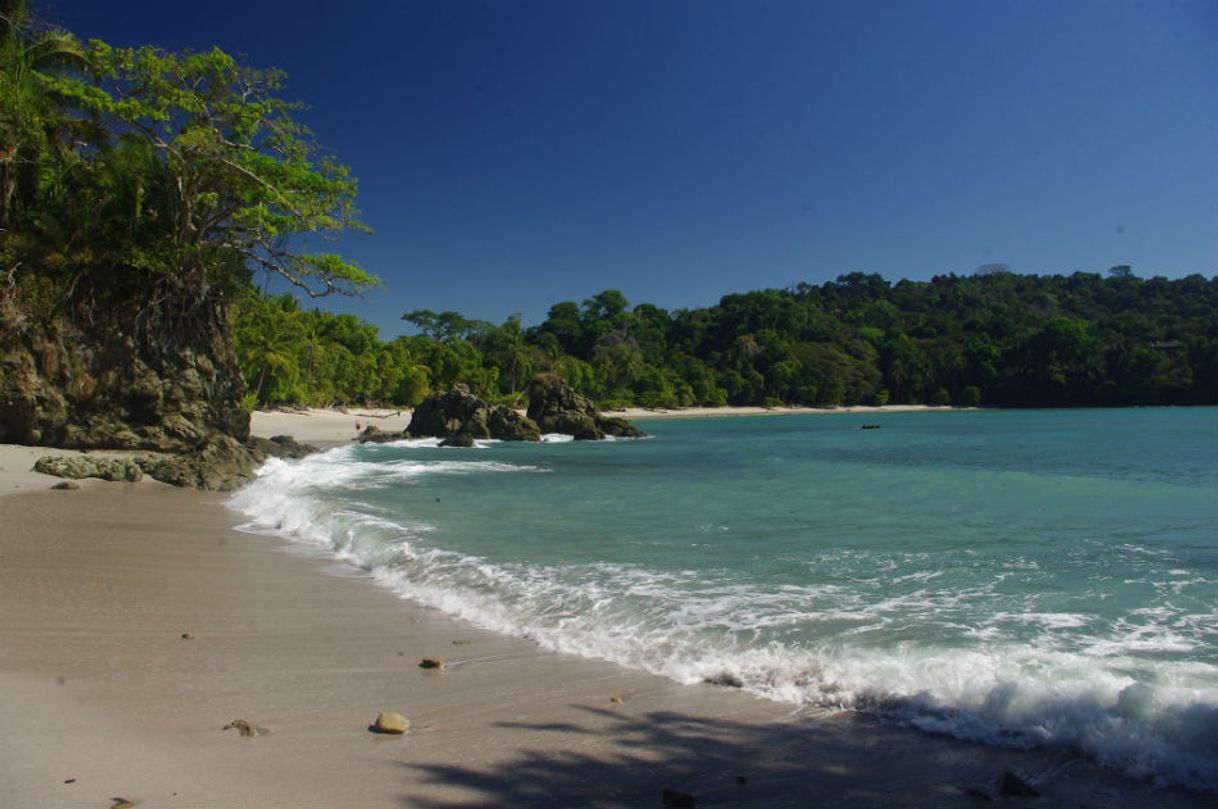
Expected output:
(219, 463)
(77, 467)
(557, 408)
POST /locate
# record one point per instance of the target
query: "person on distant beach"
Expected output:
(357, 426)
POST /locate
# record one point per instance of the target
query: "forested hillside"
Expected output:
(992, 339)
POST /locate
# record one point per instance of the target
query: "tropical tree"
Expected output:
(30, 119)
(237, 179)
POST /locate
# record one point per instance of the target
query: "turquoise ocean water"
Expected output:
(1018, 578)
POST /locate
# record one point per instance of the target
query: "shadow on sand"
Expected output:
(616, 759)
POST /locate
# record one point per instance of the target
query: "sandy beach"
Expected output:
(136, 623)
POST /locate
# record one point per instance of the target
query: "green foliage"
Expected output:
(146, 187)
(1022, 340)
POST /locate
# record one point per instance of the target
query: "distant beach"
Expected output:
(138, 623)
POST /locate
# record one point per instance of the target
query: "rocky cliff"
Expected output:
(101, 388)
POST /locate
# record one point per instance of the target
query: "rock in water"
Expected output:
(392, 723)
(375, 435)
(458, 414)
(725, 679)
(557, 408)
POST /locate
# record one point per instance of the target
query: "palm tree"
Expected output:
(268, 346)
(30, 122)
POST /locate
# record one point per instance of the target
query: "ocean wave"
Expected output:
(694, 626)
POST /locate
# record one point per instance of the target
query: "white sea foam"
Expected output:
(691, 626)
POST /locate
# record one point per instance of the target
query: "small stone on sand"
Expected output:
(392, 723)
(121, 803)
(187, 636)
(671, 797)
(431, 663)
(616, 699)
(66, 485)
(247, 729)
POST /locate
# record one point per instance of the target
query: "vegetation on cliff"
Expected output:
(141, 191)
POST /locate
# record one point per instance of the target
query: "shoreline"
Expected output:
(106, 698)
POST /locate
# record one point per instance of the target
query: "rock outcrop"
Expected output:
(220, 463)
(77, 467)
(557, 408)
(460, 417)
(106, 391)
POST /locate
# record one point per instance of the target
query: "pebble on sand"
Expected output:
(671, 797)
(431, 663)
(391, 722)
(247, 729)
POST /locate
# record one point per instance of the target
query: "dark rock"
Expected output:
(219, 464)
(725, 679)
(245, 728)
(459, 413)
(99, 387)
(66, 485)
(506, 424)
(375, 435)
(557, 408)
(431, 663)
(1013, 786)
(870, 427)
(278, 446)
(671, 797)
(463, 440)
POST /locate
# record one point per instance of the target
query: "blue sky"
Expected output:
(516, 154)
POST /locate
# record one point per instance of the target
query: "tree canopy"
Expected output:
(167, 179)
(994, 338)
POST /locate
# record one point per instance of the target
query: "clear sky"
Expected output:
(516, 154)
